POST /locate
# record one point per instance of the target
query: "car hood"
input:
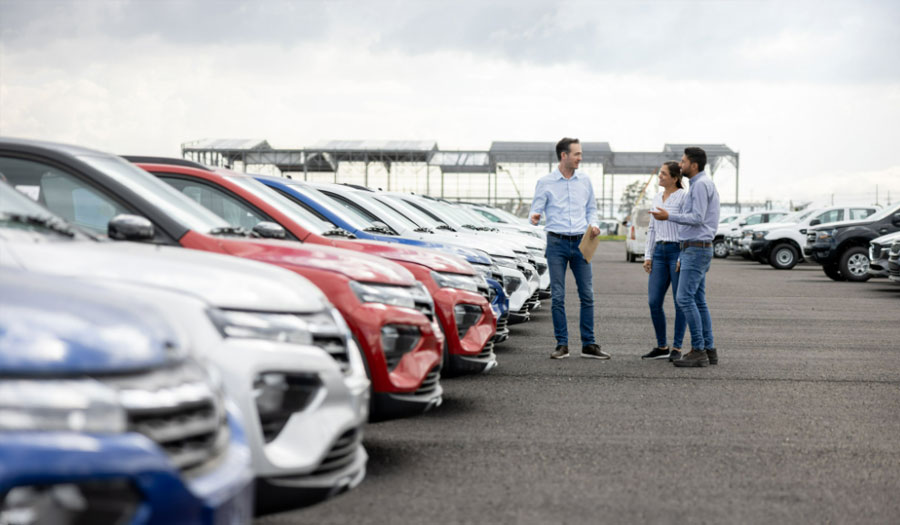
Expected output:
(433, 259)
(890, 238)
(220, 280)
(501, 248)
(841, 224)
(54, 326)
(352, 264)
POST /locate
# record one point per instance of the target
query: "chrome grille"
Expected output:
(177, 409)
(503, 322)
(811, 238)
(341, 453)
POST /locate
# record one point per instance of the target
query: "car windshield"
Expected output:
(306, 220)
(729, 219)
(19, 211)
(503, 214)
(355, 221)
(385, 212)
(408, 211)
(165, 198)
(797, 216)
(882, 214)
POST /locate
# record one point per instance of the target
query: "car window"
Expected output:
(831, 216)
(235, 212)
(490, 216)
(771, 217)
(754, 219)
(857, 214)
(63, 193)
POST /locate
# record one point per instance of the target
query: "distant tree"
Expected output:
(630, 195)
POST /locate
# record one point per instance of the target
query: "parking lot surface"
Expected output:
(800, 421)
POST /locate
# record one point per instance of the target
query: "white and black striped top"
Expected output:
(663, 230)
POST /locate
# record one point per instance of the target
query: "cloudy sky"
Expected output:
(808, 92)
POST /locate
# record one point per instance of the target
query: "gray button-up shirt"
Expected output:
(699, 216)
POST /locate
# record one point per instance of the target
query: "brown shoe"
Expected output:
(692, 358)
(561, 352)
(593, 352)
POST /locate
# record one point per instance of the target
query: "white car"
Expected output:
(726, 225)
(636, 235)
(275, 326)
(738, 237)
(879, 254)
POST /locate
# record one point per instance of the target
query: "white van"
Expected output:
(636, 233)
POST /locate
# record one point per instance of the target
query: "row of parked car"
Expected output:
(184, 343)
(851, 243)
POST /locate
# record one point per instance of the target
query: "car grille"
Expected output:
(427, 309)
(874, 252)
(532, 301)
(487, 351)
(177, 409)
(334, 342)
(341, 453)
(811, 238)
(430, 383)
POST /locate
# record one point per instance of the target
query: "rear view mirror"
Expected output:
(815, 222)
(126, 227)
(269, 230)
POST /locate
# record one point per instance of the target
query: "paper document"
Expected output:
(589, 245)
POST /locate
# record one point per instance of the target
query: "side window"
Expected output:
(64, 194)
(754, 219)
(490, 216)
(831, 216)
(857, 214)
(234, 211)
(774, 216)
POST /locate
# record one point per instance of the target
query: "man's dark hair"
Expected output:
(563, 146)
(696, 155)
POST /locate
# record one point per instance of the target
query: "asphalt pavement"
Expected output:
(799, 423)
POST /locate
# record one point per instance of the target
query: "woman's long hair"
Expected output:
(675, 173)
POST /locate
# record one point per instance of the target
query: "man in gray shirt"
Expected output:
(697, 223)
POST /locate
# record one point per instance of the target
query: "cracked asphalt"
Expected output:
(799, 423)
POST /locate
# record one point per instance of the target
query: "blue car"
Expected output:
(315, 202)
(105, 417)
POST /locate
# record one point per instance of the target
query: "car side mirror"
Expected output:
(125, 227)
(815, 222)
(895, 220)
(742, 223)
(269, 230)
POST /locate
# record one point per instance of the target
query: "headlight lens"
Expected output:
(824, 235)
(397, 340)
(60, 405)
(511, 283)
(455, 280)
(509, 262)
(286, 328)
(467, 315)
(385, 294)
(759, 235)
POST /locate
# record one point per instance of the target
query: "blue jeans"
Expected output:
(561, 252)
(662, 273)
(691, 295)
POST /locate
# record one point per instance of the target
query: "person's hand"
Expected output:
(678, 266)
(648, 265)
(595, 231)
(535, 218)
(660, 214)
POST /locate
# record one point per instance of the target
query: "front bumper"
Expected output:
(221, 494)
(474, 352)
(760, 248)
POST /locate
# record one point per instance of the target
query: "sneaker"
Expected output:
(561, 352)
(674, 355)
(657, 353)
(713, 356)
(593, 351)
(693, 358)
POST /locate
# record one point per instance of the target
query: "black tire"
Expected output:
(834, 273)
(720, 249)
(854, 264)
(632, 257)
(784, 256)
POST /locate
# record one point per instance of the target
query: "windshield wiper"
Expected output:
(51, 223)
(476, 228)
(339, 232)
(424, 230)
(230, 230)
(378, 229)
(444, 227)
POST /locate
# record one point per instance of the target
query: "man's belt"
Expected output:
(566, 237)
(667, 242)
(696, 244)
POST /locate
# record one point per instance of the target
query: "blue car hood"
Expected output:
(55, 326)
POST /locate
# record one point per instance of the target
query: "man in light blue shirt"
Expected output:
(566, 196)
(697, 223)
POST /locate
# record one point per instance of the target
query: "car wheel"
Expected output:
(720, 250)
(855, 264)
(784, 257)
(833, 273)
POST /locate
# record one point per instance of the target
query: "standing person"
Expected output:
(567, 197)
(697, 224)
(660, 260)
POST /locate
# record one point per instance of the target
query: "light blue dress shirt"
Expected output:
(699, 216)
(567, 204)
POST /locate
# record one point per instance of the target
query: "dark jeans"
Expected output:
(562, 252)
(691, 295)
(662, 273)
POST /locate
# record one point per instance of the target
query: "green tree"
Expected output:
(630, 195)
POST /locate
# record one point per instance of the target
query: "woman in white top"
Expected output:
(660, 261)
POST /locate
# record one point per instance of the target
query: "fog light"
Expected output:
(467, 315)
(278, 396)
(70, 503)
(397, 340)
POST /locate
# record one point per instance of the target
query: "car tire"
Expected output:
(720, 249)
(784, 257)
(854, 264)
(834, 273)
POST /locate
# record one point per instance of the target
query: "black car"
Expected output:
(842, 248)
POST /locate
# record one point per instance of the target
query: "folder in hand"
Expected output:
(589, 244)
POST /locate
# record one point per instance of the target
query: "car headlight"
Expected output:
(279, 395)
(60, 405)
(824, 235)
(511, 283)
(385, 294)
(458, 281)
(759, 235)
(508, 262)
(281, 327)
(109, 500)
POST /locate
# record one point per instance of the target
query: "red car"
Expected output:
(389, 313)
(464, 313)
